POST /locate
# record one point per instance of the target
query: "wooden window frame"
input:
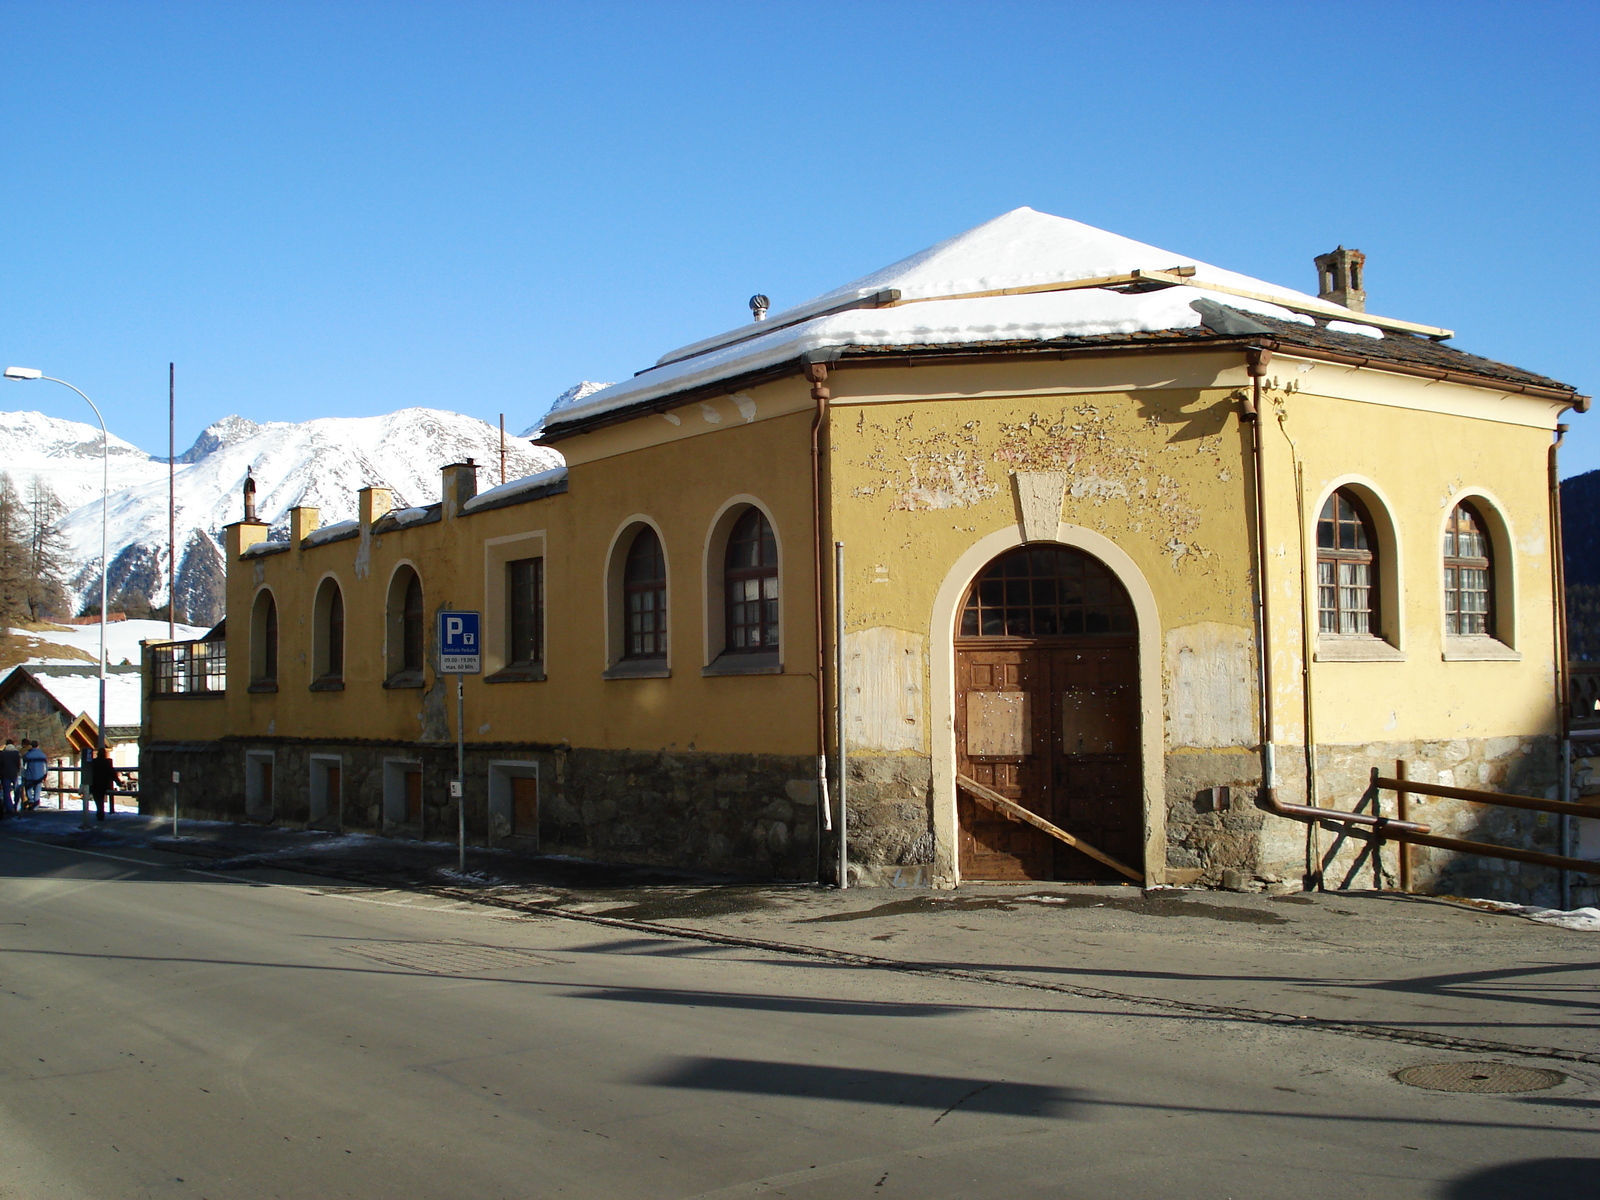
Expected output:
(1101, 599)
(533, 617)
(645, 598)
(1336, 556)
(1456, 562)
(736, 578)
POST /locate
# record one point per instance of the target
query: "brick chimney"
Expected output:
(460, 485)
(373, 503)
(1340, 278)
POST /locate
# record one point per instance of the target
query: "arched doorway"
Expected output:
(1047, 714)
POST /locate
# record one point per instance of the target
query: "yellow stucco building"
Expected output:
(1052, 463)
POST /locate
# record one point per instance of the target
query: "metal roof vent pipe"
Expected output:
(758, 306)
(1341, 278)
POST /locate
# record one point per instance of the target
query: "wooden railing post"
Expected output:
(1403, 811)
(1377, 832)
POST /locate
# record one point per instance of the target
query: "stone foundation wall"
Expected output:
(891, 821)
(753, 816)
(1244, 847)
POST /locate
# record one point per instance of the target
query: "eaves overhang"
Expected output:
(1170, 341)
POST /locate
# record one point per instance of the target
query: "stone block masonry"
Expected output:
(1244, 846)
(751, 816)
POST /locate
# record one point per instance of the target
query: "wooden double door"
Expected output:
(1053, 724)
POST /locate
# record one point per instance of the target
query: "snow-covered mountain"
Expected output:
(65, 455)
(322, 463)
(575, 394)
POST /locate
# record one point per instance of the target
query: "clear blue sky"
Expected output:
(346, 208)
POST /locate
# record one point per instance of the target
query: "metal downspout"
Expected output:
(1558, 583)
(1257, 358)
(816, 373)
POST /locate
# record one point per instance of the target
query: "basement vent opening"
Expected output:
(1478, 1077)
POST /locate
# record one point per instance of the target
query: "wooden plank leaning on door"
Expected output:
(1016, 812)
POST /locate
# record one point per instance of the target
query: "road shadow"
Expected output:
(941, 1094)
(819, 1005)
(1531, 1179)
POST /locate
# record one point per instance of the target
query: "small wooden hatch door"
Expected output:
(413, 795)
(524, 806)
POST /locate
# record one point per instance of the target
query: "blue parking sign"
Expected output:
(459, 648)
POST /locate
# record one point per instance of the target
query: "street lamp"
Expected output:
(22, 373)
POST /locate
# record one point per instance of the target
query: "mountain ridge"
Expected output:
(320, 463)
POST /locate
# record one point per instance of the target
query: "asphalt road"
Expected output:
(168, 1032)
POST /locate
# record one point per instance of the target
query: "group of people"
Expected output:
(22, 773)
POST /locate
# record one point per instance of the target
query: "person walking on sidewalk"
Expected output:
(103, 781)
(10, 774)
(34, 768)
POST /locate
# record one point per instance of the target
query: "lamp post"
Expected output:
(22, 373)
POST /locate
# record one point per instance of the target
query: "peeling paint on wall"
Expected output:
(883, 673)
(944, 469)
(1212, 701)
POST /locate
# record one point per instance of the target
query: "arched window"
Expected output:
(1347, 567)
(406, 630)
(1046, 591)
(1468, 574)
(750, 583)
(264, 643)
(644, 591)
(328, 637)
(413, 616)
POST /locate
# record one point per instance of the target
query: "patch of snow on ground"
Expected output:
(122, 639)
(1583, 920)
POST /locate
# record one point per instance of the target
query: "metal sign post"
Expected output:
(459, 655)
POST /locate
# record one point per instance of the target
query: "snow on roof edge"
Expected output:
(1040, 316)
(527, 483)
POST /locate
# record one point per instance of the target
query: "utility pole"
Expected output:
(172, 512)
(502, 447)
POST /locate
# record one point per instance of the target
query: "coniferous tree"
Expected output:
(14, 576)
(48, 555)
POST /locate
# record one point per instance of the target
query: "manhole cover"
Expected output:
(1478, 1077)
(451, 958)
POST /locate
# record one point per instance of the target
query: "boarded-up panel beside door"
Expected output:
(999, 724)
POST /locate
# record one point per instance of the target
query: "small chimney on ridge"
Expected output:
(758, 307)
(1339, 278)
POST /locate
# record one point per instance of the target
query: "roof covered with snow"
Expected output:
(1008, 282)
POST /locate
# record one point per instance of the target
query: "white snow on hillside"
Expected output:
(321, 463)
(122, 641)
(66, 456)
(1021, 248)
